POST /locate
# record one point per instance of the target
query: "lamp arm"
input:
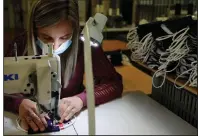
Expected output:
(89, 79)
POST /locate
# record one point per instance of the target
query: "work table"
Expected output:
(133, 114)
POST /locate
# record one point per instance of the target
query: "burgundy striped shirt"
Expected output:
(107, 82)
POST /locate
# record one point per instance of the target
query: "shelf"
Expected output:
(123, 29)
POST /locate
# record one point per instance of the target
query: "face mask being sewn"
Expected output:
(62, 48)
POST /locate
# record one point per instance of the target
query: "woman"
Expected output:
(57, 22)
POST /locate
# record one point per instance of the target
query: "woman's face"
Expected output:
(56, 34)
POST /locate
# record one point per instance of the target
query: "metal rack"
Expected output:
(180, 101)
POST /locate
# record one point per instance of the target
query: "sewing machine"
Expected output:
(38, 77)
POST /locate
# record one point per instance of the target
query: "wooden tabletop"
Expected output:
(133, 78)
(111, 45)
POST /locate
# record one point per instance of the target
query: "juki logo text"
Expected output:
(11, 77)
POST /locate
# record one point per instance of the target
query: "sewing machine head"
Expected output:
(39, 77)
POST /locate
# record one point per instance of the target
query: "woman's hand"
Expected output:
(30, 117)
(69, 106)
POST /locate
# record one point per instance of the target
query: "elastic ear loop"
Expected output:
(174, 39)
(142, 41)
(132, 37)
(186, 81)
(174, 56)
(162, 67)
(183, 62)
(193, 83)
(144, 47)
(177, 57)
(149, 48)
(193, 40)
(164, 37)
(177, 44)
(175, 49)
(156, 74)
(160, 70)
(178, 39)
(182, 34)
(132, 34)
(134, 49)
(18, 121)
(193, 79)
(194, 66)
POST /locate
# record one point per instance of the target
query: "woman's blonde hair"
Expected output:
(49, 12)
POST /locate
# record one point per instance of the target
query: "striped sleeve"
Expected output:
(107, 82)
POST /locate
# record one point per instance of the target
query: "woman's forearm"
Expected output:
(104, 93)
(12, 102)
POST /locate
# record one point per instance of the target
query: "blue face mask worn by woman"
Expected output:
(62, 48)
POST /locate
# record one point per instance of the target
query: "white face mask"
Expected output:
(62, 48)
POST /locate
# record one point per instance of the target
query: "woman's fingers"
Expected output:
(63, 106)
(72, 112)
(23, 124)
(36, 119)
(47, 116)
(42, 117)
(30, 122)
(39, 119)
(66, 113)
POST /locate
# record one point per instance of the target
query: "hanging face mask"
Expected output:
(62, 48)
